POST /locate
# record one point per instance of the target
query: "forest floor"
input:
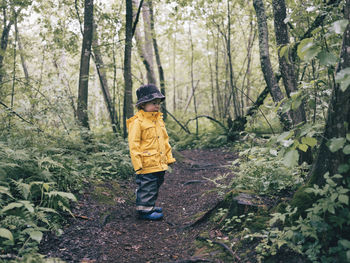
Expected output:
(106, 227)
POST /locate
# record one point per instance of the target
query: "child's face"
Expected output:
(152, 106)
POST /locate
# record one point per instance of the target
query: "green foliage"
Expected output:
(323, 234)
(209, 137)
(263, 170)
(37, 178)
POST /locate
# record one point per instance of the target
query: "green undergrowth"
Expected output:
(209, 136)
(40, 178)
(299, 222)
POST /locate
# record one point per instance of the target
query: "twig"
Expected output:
(208, 117)
(11, 111)
(184, 128)
(191, 260)
(226, 247)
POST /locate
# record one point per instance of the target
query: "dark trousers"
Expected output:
(147, 191)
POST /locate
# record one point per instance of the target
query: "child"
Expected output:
(150, 150)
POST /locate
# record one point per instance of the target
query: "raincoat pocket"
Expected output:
(150, 159)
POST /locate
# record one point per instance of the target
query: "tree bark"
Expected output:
(3, 45)
(82, 109)
(97, 57)
(287, 70)
(128, 111)
(266, 67)
(159, 64)
(20, 48)
(144, 45)
(338, 119)
(148, 43)
(229, 55)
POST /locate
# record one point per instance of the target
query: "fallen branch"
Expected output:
(194, 182)
(208, 117)
(184, 128)
(191, 260)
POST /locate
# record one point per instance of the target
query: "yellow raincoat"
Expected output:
(149, 146)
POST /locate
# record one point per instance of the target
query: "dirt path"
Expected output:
(107, 229)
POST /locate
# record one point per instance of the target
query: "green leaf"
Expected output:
(291, 158)
(36, 235)
(330, 209)
(6, 233)
(303, 147)
(336, 143)
(11, 206)
(343, 199)
(307, 49)
(285, 136)
(28, 205)
(343, 78)
(283, 51)
(343, 168)
(327, 58)
(309, 141)
(346, 149)
(62, 194)
(6, 191)
(339, 26)
(348, 136)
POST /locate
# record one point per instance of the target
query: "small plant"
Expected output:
(259, 169)
(322, 235)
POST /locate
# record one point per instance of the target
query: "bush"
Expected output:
(322, 235)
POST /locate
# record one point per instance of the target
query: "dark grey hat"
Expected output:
(147, 93)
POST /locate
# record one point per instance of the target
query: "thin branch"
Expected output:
(183, 127)
(137, 17)
(208, 117)
(11, 111)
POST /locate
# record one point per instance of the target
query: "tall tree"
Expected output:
(144, 44)
(287, 69)
(338, 119)
(127, 105)
(265, 61)
(156, 52)
(100, 68)
(7, 24)
(82, 109)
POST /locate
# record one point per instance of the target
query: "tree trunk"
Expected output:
(148, 43)
(144, 45)
(287, 70)
(3, 47)
(97, 57)
(82, 109)
(266, 67)
(338, 119)
(159, 64)
(192, 77)
(20, 49)
(174, 68)
(229, 55)
(128, 111)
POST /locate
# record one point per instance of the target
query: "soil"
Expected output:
(106, 227)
